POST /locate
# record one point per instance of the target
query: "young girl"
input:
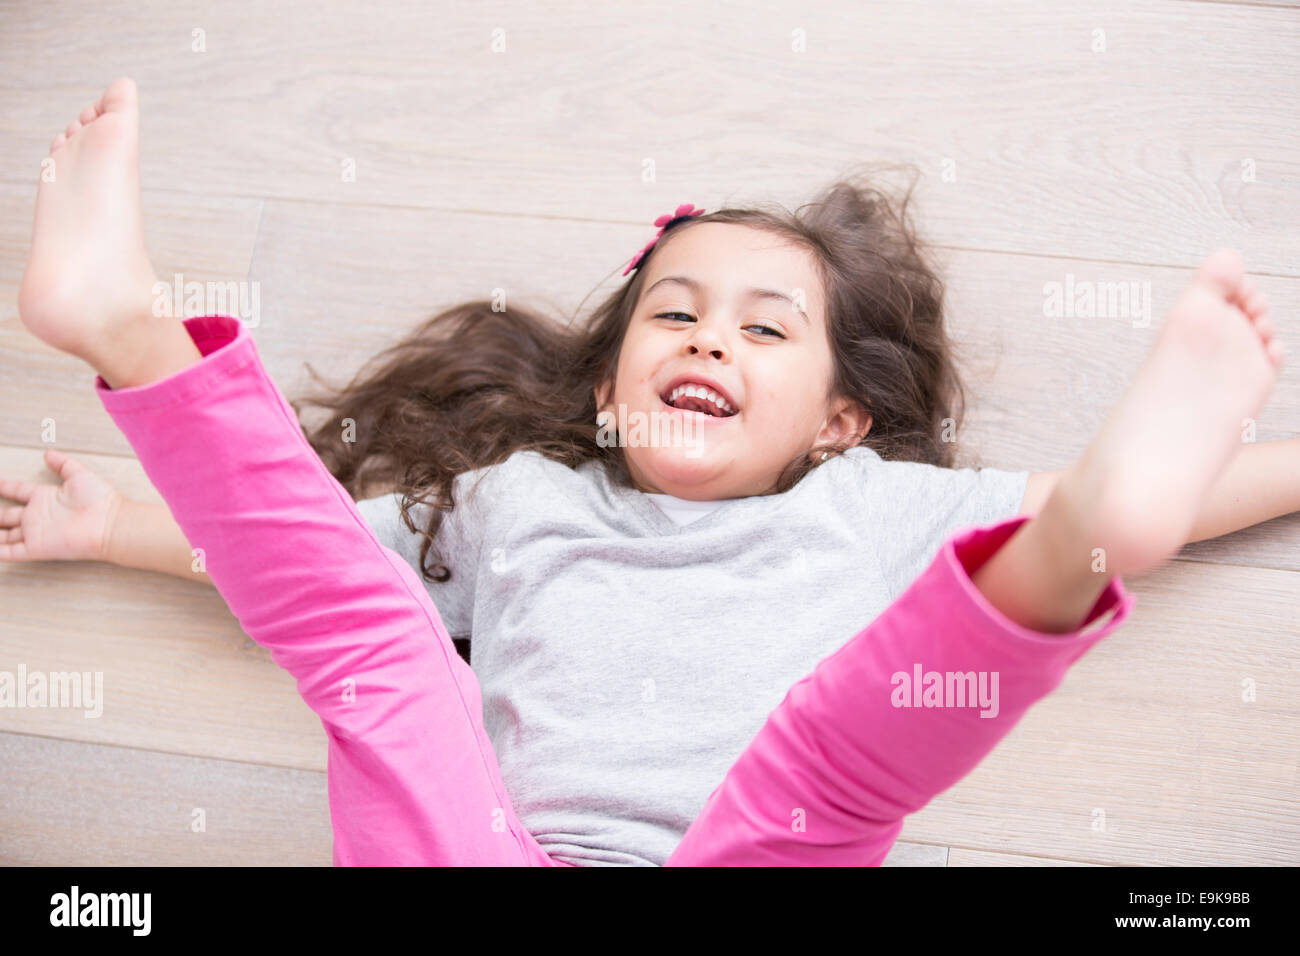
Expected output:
(737, 645)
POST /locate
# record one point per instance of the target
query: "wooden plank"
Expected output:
(90, 805)
(1030, 136)
(916, 854)
(77, 804)
(959, 856)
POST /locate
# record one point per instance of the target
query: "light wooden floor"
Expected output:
(522, 170)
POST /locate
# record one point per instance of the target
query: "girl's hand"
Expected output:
(67, 522)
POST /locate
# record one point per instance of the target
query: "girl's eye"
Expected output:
(667, 315)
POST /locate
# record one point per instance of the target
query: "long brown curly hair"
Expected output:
(472, 385)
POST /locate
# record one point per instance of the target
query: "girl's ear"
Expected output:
(864, 430)
(851, 423)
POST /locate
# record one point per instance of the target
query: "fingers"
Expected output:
(11, 517)
(15, 550)
(12, 545)
(17, 490)
(65, 466)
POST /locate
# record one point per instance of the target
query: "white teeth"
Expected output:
(699, 391)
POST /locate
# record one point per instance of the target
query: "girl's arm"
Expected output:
(412, 775)
(146, 536)
(1261, 483)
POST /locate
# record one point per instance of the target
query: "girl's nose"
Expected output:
(706, 339)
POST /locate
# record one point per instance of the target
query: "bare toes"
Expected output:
(1264, 326)
(72, 128)
(57, 142)
(1276, 352)
(120, 95)
(87, 114)
(1256, 305)
(1223, 270)
(1243, 294)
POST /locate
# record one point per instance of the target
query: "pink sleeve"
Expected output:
(305, 576)
(897, 715)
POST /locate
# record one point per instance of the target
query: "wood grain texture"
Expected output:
(1040, 159)
(1133, 152)
(959, 856)
(73, 804)
(916, 854)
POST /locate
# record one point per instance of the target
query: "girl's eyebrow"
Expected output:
(696, 286)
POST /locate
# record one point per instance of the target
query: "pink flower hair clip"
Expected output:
(684, 211)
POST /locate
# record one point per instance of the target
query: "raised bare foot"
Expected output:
(89, 272)
(1139, 486)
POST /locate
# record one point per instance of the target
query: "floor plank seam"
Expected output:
(1025, 253)
(1033, 856)
(152, 750)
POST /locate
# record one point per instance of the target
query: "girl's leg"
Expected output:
(849, 753)
(412, 775)
(865, 740)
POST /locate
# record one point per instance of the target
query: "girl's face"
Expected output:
(744, 310)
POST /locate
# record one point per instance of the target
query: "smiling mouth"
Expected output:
(708, 413)
(698, 405)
